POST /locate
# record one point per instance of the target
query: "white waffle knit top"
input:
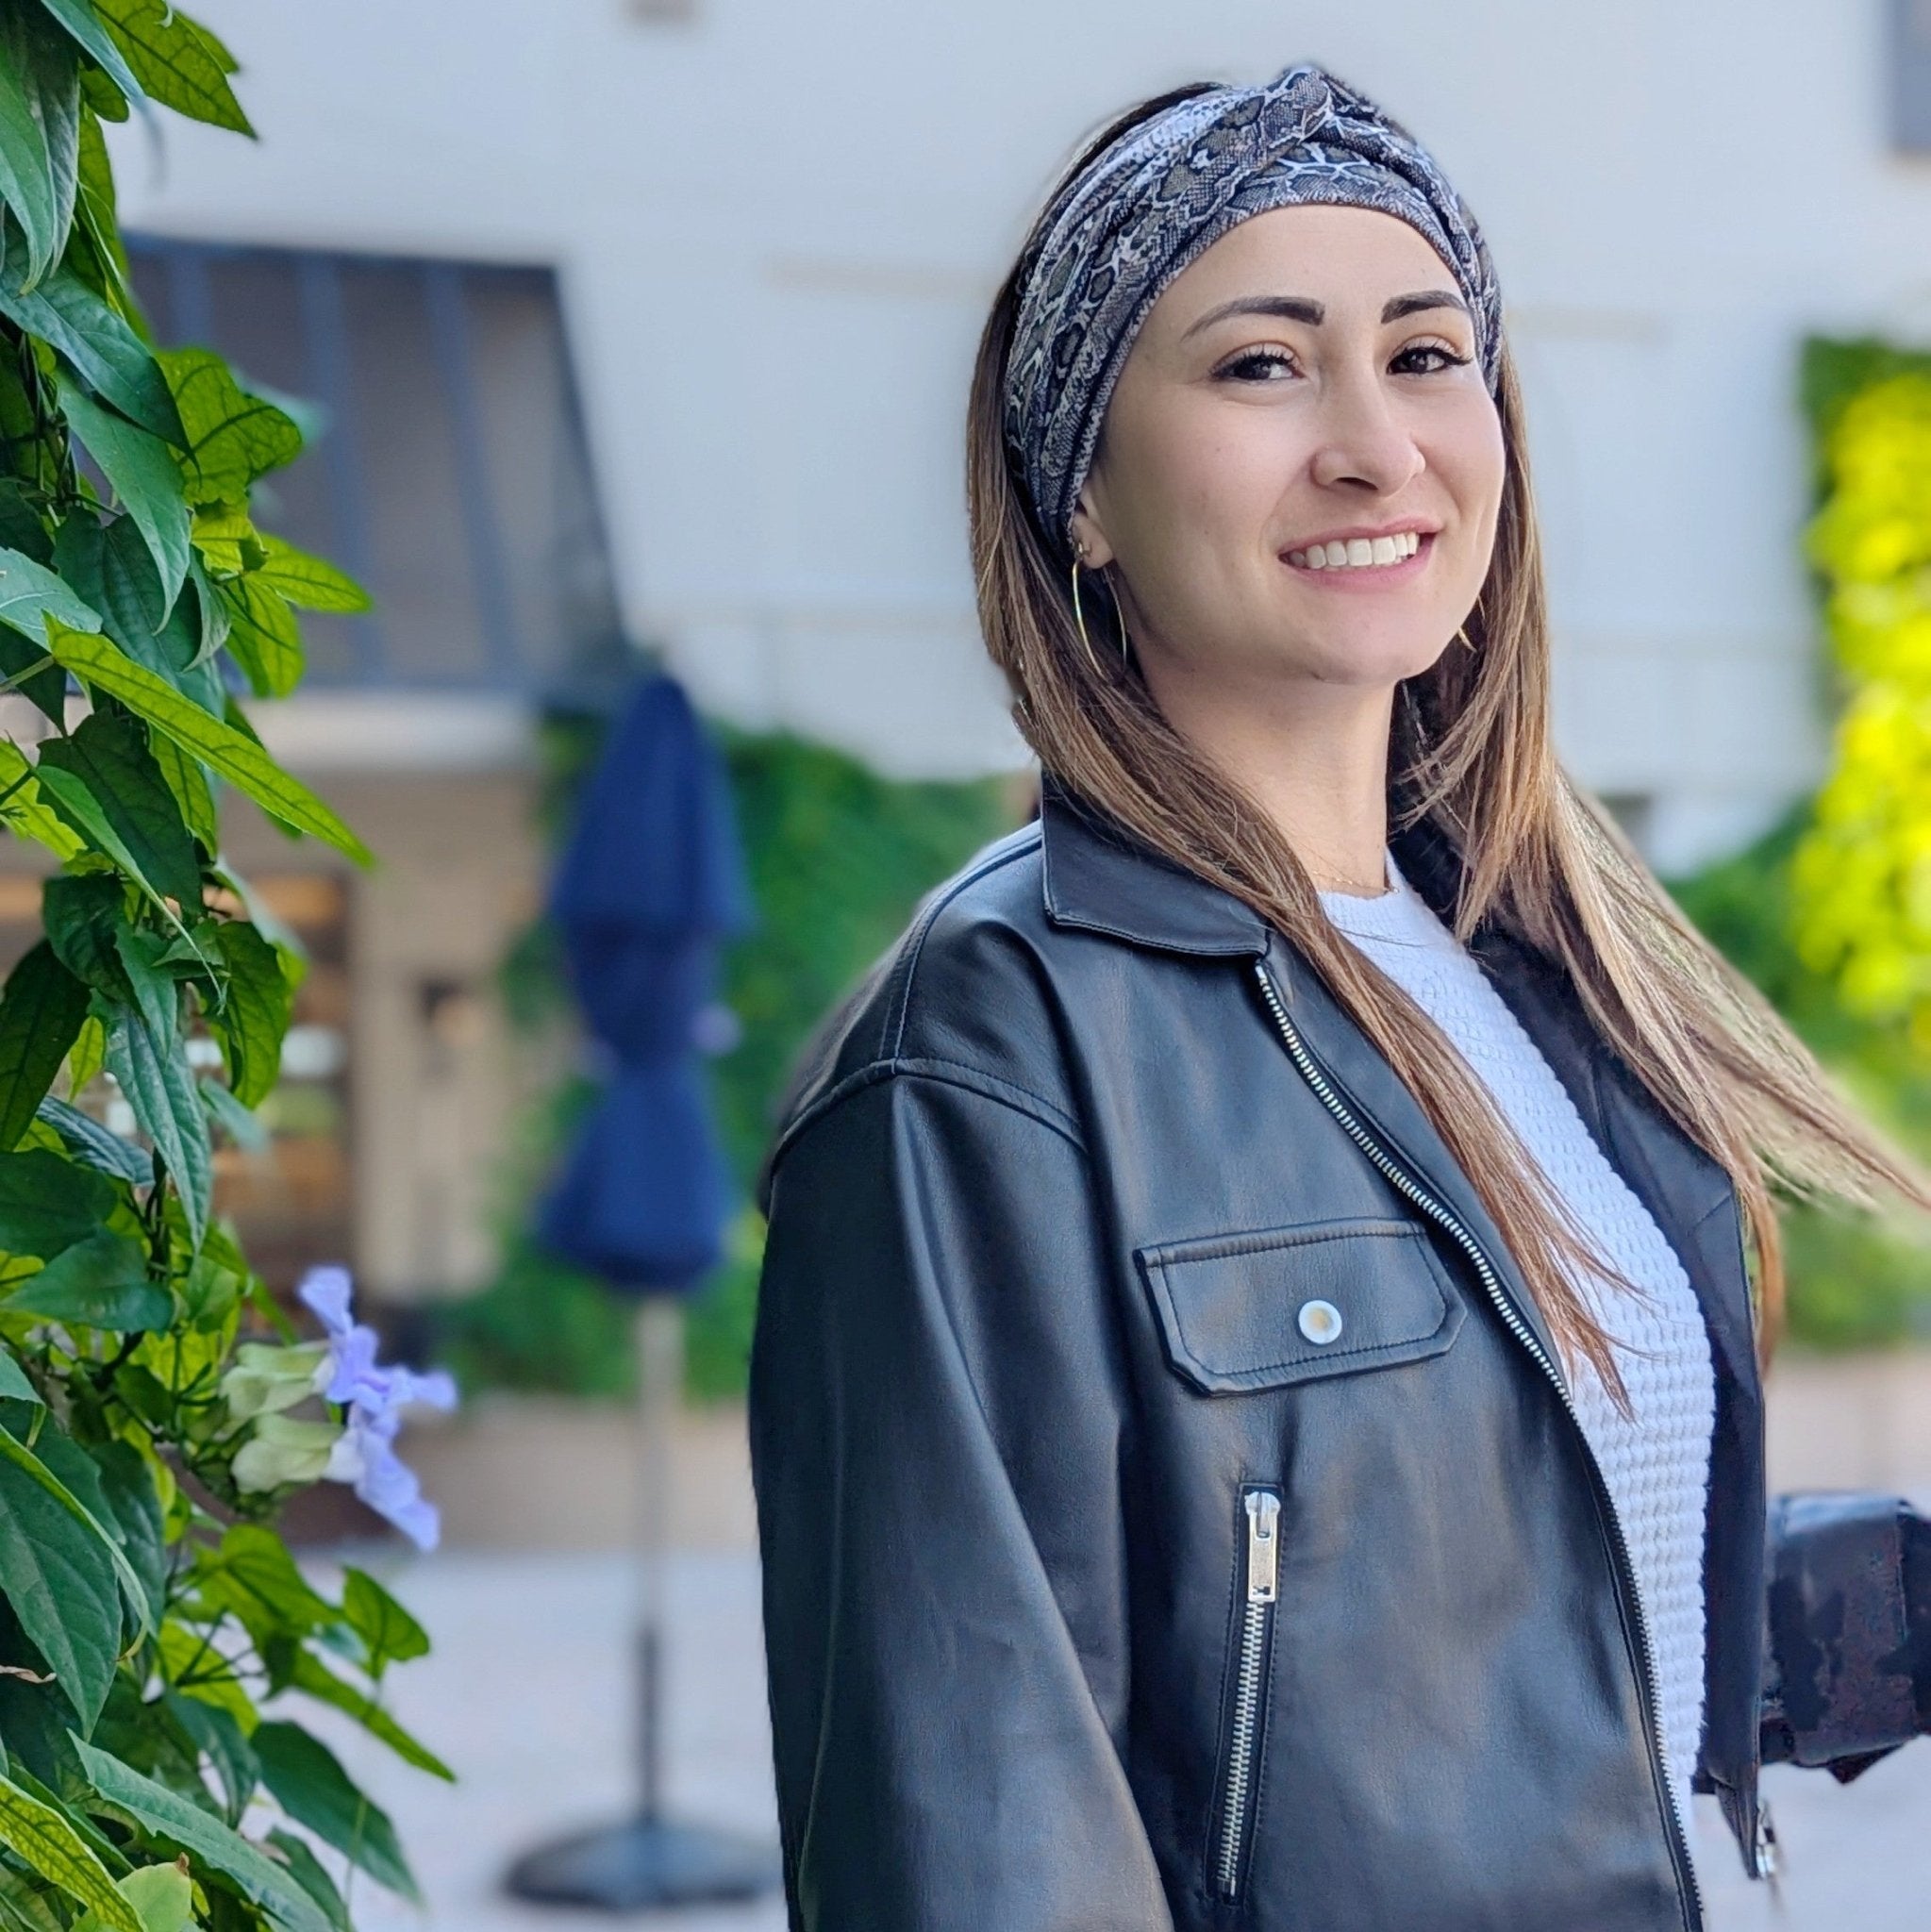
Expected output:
(1655, 1464)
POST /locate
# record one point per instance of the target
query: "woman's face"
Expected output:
(1306, 388)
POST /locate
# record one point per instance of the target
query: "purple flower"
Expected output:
(365, 1455)
(375, 1398)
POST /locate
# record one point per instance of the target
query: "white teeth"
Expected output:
(1357, 553)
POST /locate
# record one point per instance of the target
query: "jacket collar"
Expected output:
(1103, 877)
(1100, 876)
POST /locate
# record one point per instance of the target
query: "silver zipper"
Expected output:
(1491, 1283)
(1261, 1576)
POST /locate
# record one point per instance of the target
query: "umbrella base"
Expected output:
(646, 1862)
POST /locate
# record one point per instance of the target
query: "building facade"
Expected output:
(652, 319)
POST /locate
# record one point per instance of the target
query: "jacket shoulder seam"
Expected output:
(961, 1073)
(899, 993)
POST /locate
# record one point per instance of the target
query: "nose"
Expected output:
(1364, 443)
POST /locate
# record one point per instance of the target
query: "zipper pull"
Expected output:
(1263, 1546)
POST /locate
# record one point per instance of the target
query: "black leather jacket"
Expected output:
(1172, 1512)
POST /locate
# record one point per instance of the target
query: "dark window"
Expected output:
(451, 474)
(1911, 76)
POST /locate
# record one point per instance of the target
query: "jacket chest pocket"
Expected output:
(1267, 1308)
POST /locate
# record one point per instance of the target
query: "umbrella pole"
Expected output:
(649, 1859)
(658, 1334)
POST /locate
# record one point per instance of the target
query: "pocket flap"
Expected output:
(1273, 1306)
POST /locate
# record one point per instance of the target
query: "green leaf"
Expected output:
(263, 636)
(20, 522)
(236, 757)
(59, 1577)
(106, 756)
(96, 230)
(221, 1736)
(253, 1576)
(157, 1085)
(83, 24)
(47, 1204)
(302, 1670)
(180, 62)
(84, 916)
(254, 1015)
(46, 1843)
(311, 1875)
(92, 1145)
(28, 670)
(30, 594)
(40, 133)
(309, 582)
(308, 1781)
(187, 780)
(86, 1062)
(103, 349)
(227, 1113)
(42, 1008)
(225, 538)
(14, 1386)
(26, 810)
(99, 1283)
(162, 1814)
(23, 1459)
(27, 1905)
(161, 1895)
(110, 565)
(390, 1635)
(102, 96)
(233, 437)
(146, 479)
(135, 1509)
(156, 992)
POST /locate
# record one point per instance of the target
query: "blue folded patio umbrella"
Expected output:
(650, 883)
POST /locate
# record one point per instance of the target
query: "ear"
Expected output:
(1087, 531)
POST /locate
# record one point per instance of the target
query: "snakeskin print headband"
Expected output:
(1121, 229)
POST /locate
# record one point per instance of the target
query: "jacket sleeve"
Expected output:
(936, 1436)
(1849, 1630)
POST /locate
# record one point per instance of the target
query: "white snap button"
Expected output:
(1320, 1321)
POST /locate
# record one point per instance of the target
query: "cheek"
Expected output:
(1467, 453)
(1205, 477)
(1223, 479)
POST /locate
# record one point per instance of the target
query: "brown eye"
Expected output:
(1252, 365)
(1445, 358)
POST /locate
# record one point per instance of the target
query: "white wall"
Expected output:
(779, 224)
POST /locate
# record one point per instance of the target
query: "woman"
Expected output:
(1257, 1404)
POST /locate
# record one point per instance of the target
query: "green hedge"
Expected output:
(1855, 1281)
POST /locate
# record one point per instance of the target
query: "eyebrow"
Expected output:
(1303, 309)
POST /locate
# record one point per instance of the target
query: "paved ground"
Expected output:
(528, 1696)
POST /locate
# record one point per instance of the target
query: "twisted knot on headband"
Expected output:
(1121, 230)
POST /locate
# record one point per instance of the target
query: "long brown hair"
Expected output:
(1470, 750)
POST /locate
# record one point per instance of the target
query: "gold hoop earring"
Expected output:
(1079, 616)
(1461, 636)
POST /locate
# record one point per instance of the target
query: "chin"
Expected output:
(1375, 663)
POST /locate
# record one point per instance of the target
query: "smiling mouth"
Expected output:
(1358, 552)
